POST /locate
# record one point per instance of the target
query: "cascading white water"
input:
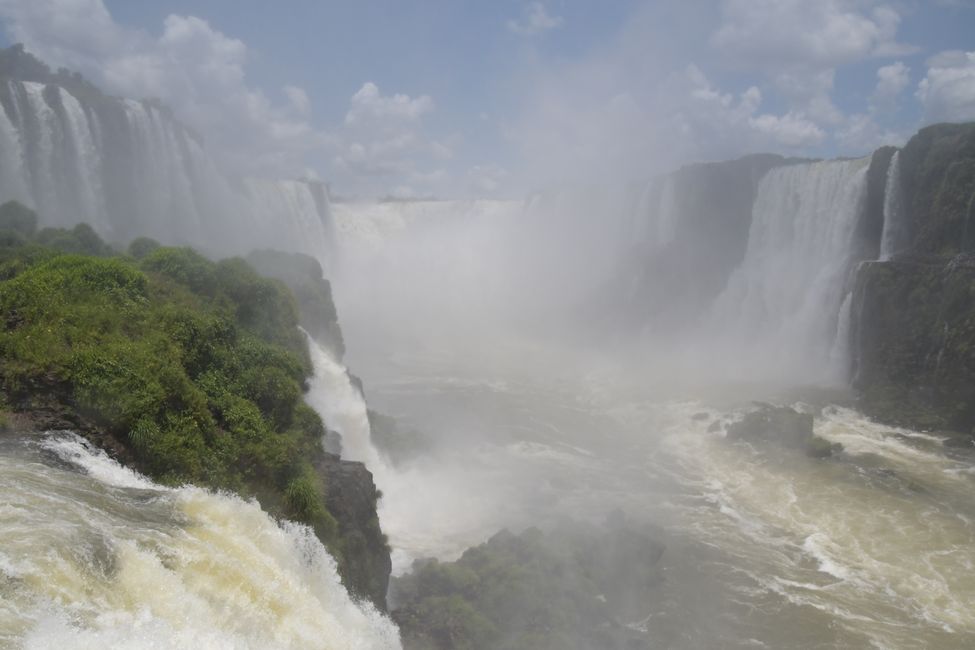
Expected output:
(168, 192)
(342, 406)
(779, 311)
(292, 216)
(893, 231)
(12, 181)
(45, 189)
(93, 555)
(129, 169)
(87, 162)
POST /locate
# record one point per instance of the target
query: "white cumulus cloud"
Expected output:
(824, 33)
(383, 141)
(891, 81)
(299, 99)
(534, 20)
(368, 104)
(947, 91)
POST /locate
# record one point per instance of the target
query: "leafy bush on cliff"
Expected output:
(303, 275)
(197, 367)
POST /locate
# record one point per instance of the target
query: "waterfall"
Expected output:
(129, 169)
(893, 232)
(163, 174)
(12, 181)
(86, 156)
(780, 311)
(343, 408)
(93, 555)
(294, 215)
(45, 188)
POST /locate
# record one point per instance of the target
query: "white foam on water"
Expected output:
(97, 567)
(96, 463)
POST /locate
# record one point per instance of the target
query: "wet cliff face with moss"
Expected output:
(913, 317)
(193, 371)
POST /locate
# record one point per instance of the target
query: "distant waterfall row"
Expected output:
(129, 169)
(746, 266)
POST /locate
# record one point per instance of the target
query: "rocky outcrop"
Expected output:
(938, 181)
(351, 496)
(914, 338)
(913, 317)
(572, 588)
(784, 426)
(303, 275)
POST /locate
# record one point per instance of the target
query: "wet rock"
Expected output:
(570, 588)
(782, 425)
(351, 498)
(912, 339)
(818, 447)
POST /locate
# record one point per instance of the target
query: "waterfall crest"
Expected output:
(93, 555)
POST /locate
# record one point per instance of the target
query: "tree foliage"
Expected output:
(198, 367)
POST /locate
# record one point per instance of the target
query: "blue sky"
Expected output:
(495, 98)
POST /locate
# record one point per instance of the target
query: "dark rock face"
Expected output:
(914, 338)
(571, 588)
(913, 317)
(781, 425)
(938, 178)
(351, 497)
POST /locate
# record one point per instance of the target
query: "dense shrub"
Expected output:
(196, 367)
(142, 246)
(18, 218)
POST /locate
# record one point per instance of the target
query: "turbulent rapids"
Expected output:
(93, 555)
(765, 547)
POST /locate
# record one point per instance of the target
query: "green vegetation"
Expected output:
(303, 275)
(196, 368)
(563, 590)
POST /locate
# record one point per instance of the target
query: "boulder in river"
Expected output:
(784, 426)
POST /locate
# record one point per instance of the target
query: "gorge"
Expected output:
(187, 460)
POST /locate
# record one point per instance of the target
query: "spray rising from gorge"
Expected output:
(585, 361)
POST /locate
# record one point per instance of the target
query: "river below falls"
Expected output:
(765, 547)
